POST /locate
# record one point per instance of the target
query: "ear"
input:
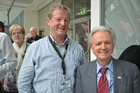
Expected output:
(92, 49)
(48, 21)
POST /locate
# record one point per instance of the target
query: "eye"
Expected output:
(97, 44)
(67, 21)
(58, 19)
(13, 33)
(108, 43)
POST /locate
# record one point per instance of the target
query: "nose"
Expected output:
(63, 22)
(103, 46)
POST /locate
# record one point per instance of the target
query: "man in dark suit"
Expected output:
(120, 76)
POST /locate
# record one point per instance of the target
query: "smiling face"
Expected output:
(17, 36)
(58, 23)
(102, 45)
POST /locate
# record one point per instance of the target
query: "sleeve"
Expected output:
(8, 56)
(26, 73)
(82, 57)
(78, 88)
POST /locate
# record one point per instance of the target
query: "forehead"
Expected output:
(100, 35)
(32, 30)
(16, 30)
(60, 13)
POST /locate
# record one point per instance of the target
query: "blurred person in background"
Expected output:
(17, 33)
(2, 26)
(7, 57)
(131, 54)
(32, 36)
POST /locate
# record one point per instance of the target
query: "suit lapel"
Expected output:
(120, 78)
(91, 74)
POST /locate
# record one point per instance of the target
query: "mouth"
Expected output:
(63, 29)
(103, 51)
(17, 38)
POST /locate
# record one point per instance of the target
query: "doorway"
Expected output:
(81, 31)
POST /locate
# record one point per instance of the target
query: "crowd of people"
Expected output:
(57, 64)
(12, 55)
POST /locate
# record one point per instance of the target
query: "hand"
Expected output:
(28, 36)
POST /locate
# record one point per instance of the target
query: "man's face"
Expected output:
(102, 45)
(59, 23)
(33, 32)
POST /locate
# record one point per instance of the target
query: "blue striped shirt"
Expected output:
(109, 75)
(41, 71)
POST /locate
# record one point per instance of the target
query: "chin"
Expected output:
(104, 57)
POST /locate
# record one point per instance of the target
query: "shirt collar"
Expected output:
(110, 66)
(64, 43)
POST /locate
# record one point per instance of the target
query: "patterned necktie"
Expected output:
(103, 83)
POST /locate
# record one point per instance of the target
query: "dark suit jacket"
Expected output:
(31, 40)
(129, 73)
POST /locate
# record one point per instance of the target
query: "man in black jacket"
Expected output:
(32, 36)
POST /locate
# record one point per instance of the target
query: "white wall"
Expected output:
(30, 20)
(95, 18)
(42, 16)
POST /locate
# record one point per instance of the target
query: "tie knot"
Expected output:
(103, 70)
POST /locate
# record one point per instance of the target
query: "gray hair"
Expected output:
(58, 7)
(102, 28)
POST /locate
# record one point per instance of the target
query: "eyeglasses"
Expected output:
(18, 33)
